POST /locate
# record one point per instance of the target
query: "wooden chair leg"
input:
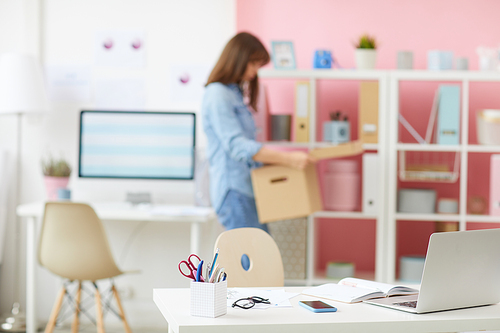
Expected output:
(55, 311)
(99, 314)
(120, 308)
(76, 320)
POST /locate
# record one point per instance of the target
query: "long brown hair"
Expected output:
(230, 68)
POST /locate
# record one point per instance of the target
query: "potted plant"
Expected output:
(56, 176)
(366, 52)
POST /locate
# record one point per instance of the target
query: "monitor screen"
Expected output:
(141, 145)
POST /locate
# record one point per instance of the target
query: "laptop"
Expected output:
(462, 269)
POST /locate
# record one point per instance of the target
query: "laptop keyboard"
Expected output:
(412, 304)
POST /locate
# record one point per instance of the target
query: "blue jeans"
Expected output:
(239, 211)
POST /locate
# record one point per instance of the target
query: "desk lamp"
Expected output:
(22, 91)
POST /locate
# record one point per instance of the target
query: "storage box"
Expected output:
(417, 201)
(495, 185)
(488, 127)
(291, 238)
(439, 60)
(411, 268)
(284, 193)
(208, 299)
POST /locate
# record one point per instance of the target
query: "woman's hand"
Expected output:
(299, 160)
(295, 159)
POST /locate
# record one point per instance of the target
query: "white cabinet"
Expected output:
(388, 148)
(312, 76)
(463, 149)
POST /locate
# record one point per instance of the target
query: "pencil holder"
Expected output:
(208, 299)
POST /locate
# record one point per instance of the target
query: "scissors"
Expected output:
(191, 268)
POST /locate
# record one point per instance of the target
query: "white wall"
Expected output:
(177, 32)
(19, 22)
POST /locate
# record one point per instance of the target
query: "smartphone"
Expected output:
(317, 306)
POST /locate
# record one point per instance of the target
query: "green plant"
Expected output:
(366, 42)
(56, 167)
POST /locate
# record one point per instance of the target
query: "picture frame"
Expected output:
(283, 54)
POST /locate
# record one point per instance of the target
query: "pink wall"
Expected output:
(418, 26)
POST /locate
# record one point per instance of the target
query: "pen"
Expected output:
(213, 262)
(213, 278)
(198, 271)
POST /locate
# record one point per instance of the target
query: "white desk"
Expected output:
(359, 317)
(106, 212)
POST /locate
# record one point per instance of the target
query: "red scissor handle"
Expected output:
(192, 272)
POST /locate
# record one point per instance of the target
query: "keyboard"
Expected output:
(412, 304)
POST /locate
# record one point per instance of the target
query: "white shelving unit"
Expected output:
(312, 76)
(388, 149)
(464, 148)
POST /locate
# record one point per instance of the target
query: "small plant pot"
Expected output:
(366, 58)
(53, 184)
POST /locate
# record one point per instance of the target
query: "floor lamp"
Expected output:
(22, 91)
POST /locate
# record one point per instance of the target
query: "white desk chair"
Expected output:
(73, 245)
(266, 266)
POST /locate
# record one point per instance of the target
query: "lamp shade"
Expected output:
(22, 88)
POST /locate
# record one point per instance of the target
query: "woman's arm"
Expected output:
(295, 159)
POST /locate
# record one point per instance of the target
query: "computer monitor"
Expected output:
(137, 145)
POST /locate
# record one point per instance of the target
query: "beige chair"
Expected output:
(266, 266)
(73, 245)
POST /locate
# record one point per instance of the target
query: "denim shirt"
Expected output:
(230, 131)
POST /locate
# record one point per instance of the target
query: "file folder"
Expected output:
(495, 185)
(449, 115)
(370, 183)
(302, 96)
(368, 112)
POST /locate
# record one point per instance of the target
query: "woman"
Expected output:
(230, 129)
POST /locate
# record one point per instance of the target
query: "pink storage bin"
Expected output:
(341, 188)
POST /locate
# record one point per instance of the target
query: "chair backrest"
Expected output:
(73, 243)
(266, 266)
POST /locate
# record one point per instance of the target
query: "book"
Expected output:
(352, 290)
(448, 121)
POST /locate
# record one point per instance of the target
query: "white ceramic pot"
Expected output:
(366, 58)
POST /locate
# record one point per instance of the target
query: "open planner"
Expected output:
(352, 290)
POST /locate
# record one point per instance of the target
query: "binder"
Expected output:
(495, 185)
(449, 115)
(368, 112)
(301, 122)
(370, 183)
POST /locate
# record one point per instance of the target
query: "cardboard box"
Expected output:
(285, 193)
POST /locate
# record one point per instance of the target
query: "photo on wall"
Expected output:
(283, 55)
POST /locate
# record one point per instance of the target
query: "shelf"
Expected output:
(444, 148)
(308, 145)
(427, 147)
(447, 217)
(427, 217)
(339, 74)
(445, 75)
(352, 74)
(482, 218)
(483, 149)
(344, 215)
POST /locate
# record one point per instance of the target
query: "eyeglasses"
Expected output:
(249, 302)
